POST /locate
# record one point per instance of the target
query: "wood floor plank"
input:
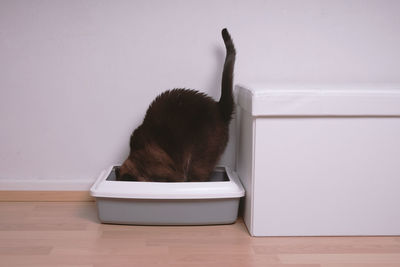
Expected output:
(343, 258)
(25, 250)
(328, 245)
(69, 234)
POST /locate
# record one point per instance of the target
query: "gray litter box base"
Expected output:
(167, 211)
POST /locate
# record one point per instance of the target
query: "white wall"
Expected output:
(76, 77)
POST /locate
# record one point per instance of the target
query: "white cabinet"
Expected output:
(320, 159)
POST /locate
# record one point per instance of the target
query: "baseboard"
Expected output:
(45, 190)
(55, 196)
(45, 184)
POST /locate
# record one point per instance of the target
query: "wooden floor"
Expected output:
(69, 234)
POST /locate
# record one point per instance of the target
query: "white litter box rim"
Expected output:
(167, 190)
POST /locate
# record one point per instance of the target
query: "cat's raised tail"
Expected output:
(226, 103)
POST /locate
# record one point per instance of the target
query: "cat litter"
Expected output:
(168, 203)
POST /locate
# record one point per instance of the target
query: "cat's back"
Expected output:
(182, 106)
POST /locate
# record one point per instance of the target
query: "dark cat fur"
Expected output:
(183, 134)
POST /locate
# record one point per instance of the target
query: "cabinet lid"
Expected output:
(279, 99)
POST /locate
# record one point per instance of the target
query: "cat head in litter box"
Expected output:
(218, 175)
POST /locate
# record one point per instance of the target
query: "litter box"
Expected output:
(168, 203)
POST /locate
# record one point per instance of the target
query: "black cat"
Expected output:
(183, 134)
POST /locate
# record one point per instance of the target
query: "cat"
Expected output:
(183, 134)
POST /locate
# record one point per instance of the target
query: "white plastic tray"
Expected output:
(168, 203)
